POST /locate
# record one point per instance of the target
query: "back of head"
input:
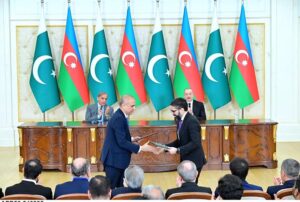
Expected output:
(230, 187)
(239, 167)
(125, 99)
(134, 176)
(152, 192)
(291, 168)
(99, 187)
(80, 167)
(179, 103)
(32, 169)
(187, 170)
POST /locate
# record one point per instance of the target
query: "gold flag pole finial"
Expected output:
(99, 3)
(185, 2)
(157, 4)
(128, 2)
(69, 2)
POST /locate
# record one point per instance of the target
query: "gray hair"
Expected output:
(124, 99)
(153, 192)
(134, 176)
(187, 171)
(291, 168)
(80, 167)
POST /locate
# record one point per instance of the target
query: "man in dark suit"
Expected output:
(99, 112)
(194, 107)
(289, 172)
(230, 188)
(187, 173)
(80, 169)
(296, 189)
(118, 146)
(188, 142)
(28, 185)
(133, 181)
(1, 193)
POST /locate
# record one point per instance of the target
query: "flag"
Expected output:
(242, 78)
(43, 78)
(214, 76)
(186, 72)
(71, 78)
(129, 78)
(157, 78)
(100, 77)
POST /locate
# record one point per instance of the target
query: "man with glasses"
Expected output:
(118, 146)
(99, 112)
(188, 142)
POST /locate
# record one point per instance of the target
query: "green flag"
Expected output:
(214, 77)
(100, 77)
(157, 77)
(43, 78)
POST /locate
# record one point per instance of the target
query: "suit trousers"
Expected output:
(115, 175)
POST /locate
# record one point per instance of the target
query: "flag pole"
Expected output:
(158, 115)
(44, 116)
(72, 116)
(185, 2)
(242, 113)
(128, 3)
(215, 114)
(42, 8)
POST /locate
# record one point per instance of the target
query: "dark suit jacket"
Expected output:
(274, 189)
(78, 185)
(248, 186)
(189, 141)
(199, 110)
(124, 190)
(117, 147)
(26, 187)
(91, 114)
(188, 187)
(1, 193)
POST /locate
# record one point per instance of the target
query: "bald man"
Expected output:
(80, 169)
(118, 144)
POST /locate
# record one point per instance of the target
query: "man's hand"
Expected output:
(277, 181)
(136, 139)
(172, 150)
(148, 148)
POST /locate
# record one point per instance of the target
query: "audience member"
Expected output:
(133, 181)
(80, 169)
(1, 193)
(288, 175)
(99, 112)
(152, 192)
(296, 189)
(99, 188)
(239, 167)
(187, 173)
(29, 185)
(230, 188)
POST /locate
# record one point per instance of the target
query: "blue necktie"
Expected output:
(179, 126)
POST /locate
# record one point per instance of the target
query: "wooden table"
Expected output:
(57, 144)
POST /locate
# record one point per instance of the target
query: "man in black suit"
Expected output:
(289, 172)
(118, 146)
(194, 107)
(187, 173)
(133, 181)
(28, 185)
(296, 189)
(1, 193)
(188, 142)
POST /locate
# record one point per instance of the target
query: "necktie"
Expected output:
(101, 116)
(189, 105)
(179, 126)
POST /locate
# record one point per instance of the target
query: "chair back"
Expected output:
(127, 196)
(284, 194)
(190, 195)
(75, 196)
(23, 197)
(255, 195)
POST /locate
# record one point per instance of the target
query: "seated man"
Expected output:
(133, 181)
(239, 167)
(296, 189)
(289, 173)
(80, 169)
(99, 112)
(187, 174)
(230, 188)
(1, 193)
(29, 185)
(151, 192)
(99, 188)
(194, 107)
